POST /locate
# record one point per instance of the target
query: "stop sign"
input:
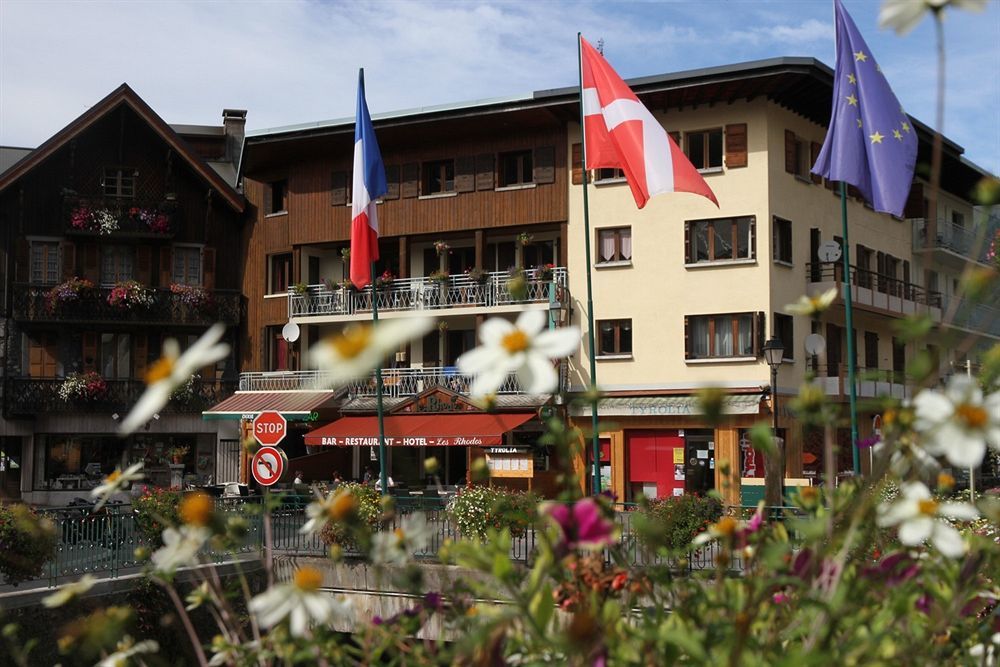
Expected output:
(269, 428)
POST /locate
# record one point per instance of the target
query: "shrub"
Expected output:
(155, 510)
(673, 522)
(369, 510)
(477, 509)
(27, 543)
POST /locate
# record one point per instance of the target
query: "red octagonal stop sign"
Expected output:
(270, 428)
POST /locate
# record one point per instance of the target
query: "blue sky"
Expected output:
(296, 61)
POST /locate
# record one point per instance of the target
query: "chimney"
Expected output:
(234, 122)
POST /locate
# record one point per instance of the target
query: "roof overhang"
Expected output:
(294, 405)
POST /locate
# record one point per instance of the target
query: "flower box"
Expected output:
(130, 295)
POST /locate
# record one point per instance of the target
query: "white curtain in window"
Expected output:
(699, 336)
(626, 237)
(607, 246)
(746, 335)
(723, 337)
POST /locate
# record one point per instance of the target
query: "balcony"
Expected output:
(120, 218)
(28, 396)
(427, 294)
(91, 305)
(875, 292)
(868, 382)
(955, 244)
(972, 317)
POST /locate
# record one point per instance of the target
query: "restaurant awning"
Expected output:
(294, 405)
(420, 430)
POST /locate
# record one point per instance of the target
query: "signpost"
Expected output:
(269, 428)
(268, 465)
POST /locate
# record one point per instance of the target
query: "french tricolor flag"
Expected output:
(369, 185)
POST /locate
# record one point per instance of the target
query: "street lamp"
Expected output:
(774, 351)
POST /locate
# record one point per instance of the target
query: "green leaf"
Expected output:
(541, 607)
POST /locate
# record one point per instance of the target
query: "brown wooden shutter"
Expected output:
(208, 268)
(577, 160)
(144, 264)
(484, 171)
(736, 145)
(880, 270)
(676, 136)
(687, 243)
(814, 149)
(907, 290)
(338, 189)
(92, 262)
(411, 180)
(68, 251)
(789, 151)
(268, 199)
(687, 339)
(23, 259)
(140, 355)
(465, 173)
(545, 165)
(753, 237)
(166, 266)
(89, 351)
(759, 332)
(391, 182)
(915, 201)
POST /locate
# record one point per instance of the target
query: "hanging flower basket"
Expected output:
(68, 292)
(524, 238)
(130, 295)
(441, 247)
(84, 387)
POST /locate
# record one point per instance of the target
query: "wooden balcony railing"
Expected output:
(429, 294)
(29, 396)
(823, 272)
(36, 303)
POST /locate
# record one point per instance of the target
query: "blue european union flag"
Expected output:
(871, 143)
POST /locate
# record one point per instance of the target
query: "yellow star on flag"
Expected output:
(852, 79)
(896, 134)
(876, 138)
(906, 127)
(860, 56)
(852, 100)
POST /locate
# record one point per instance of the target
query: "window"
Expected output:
(957, 219)
(725, 239)
(277, 201)
(439, 176)
(44, 262)
(119, 182)
(704, 148)
(117, 263)
(721, 336)
(614, 338)
(516, 169)
(784, 330)
(610, 174)
(898, 360)
(800, 163)
(614, 245)
(187, 265)
(280, 270)
(116, 356)
(871, 350)
(782, 240)
(278, 353)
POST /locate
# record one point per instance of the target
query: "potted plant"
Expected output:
(524, 238)
(300, 289)
(67, 292)
(545, 271)
(155, 221)
(87, 386)
(441, 247)
(191, 296)
(178, 453)
(439, 276)
(129, 295)
(477, 275)
(384, 281)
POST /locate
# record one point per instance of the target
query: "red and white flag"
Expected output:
(622, 134)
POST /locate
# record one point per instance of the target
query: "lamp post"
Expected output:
(774, 351)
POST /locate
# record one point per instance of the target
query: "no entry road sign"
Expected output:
(268, 465)
(269, 428)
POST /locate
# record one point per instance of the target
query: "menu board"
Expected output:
(508, 462)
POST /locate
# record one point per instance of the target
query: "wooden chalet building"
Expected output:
(120, 231)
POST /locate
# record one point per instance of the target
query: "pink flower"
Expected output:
(779, 598)
(582, 523)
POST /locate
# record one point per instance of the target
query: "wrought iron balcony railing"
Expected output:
(868, 382)
(972, 242)
(427, 293)
(120, 217)
(972, 316)
(42, 303)
(29, 395)
(827, 272)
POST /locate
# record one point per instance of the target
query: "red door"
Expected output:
(653, 464)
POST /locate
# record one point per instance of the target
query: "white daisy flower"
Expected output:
(180, 548)
(958, 423)
(986, 654)
(355, 351)
(524, 347)
(336, 506)
(171, 371)
(412, 534)
(921, 518)
(903, 15)
(813, 305)
(126, 650)
(69, 592)
(115, 482)
(300, 601)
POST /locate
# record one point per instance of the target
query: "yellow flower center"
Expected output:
(945, 480)
(400, 535)
(352, 341)
(516, 341)
(927, 507)
(113, 477)
(308, 579)
(809, 493)
(196, 509)
(160, 369)
(343, 504)
(726, 526)
(889, 417)
(973, 415)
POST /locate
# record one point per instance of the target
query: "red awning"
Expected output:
(420, 430)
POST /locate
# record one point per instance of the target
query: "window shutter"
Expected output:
(465, 174)
(789, 151)
(92, 262)
(687, 242)
(36, 358)
(544, 165)
(484, 171)
(144, 264)
(268, 199)
(915, 201)
(140, 355)
(89, 351)
(166, 266)
(759, 332)
(208, 268)
(391, 182)
(907, 293)
(687, 339)
(676, 136)
(67, 251)
(338, 189)
(814, 149)
(23, 253)
(411, 180)
(753, 237)
(578, 164)
(736, 145)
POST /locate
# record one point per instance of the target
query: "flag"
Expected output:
(871, 143)
(621, 133)
(369, 185)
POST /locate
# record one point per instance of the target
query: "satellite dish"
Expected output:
(815, 344)
(290, 332)
(829, 251)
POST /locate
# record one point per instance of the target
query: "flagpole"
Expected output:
(383, 475)
(851, 361)
(595, 436)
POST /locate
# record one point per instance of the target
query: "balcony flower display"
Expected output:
(384, 281)
(477, 275)
(439, 276)
(87, 386)
(441, 247)
(129, 295)
(524, 238)
(545, 271)
(192, 296)
(67, 292)
(993, 252)
(186, 393)
(100, 220)
(158, 223)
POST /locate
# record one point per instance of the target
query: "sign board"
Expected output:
(268, 465)
(521, 464)
(270, 428)
(410, 441)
